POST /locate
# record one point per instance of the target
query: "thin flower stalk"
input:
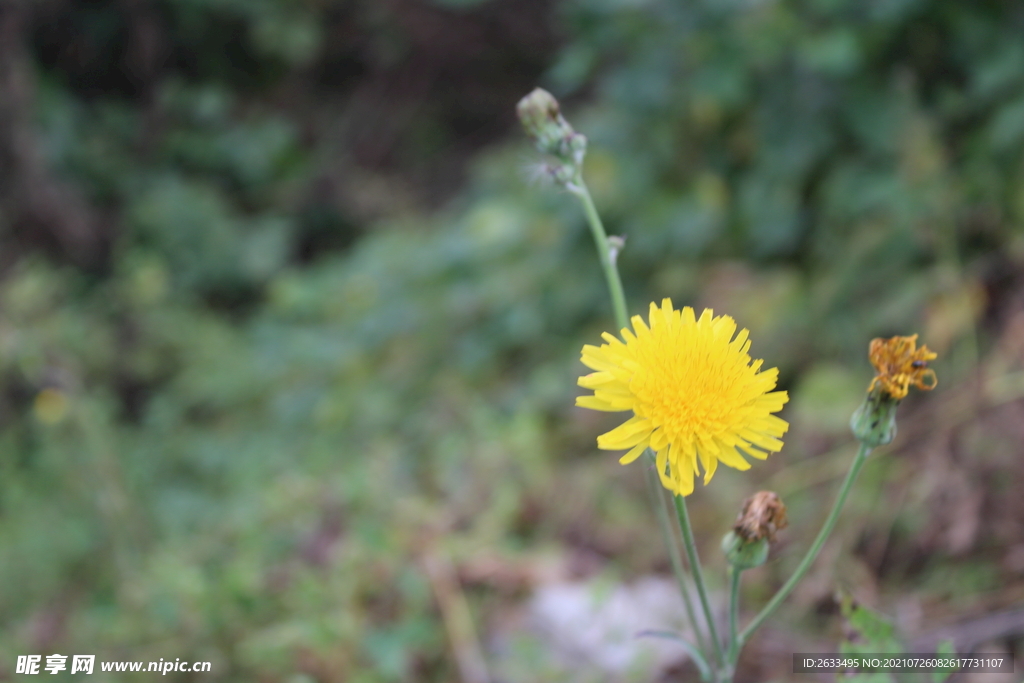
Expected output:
(604, 251)
(734, 609)
(544, 123)
(611, 272)
(661, 512)
(698, 575)
(899, 364)
(812, 552)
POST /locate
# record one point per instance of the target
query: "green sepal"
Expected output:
(743, 554)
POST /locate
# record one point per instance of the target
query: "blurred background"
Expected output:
(289, 329)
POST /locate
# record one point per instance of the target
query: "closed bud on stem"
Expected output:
(746, 546)
(874, 423)
(543, 121)
(743, 554)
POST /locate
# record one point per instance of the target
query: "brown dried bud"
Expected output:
(762, 515)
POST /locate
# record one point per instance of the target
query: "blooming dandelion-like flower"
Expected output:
(694, 393)
(899, 363)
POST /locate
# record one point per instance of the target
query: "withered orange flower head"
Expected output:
(899, 363)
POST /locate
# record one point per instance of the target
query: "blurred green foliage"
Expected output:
(234, 436)
(870, 633)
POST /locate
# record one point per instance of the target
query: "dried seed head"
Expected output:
(762, 515)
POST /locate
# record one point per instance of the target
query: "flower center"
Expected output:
(685, 388)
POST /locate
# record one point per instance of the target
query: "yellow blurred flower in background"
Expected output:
(694, 392)
(50, 406)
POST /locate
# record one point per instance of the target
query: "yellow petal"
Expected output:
(661, 461)
(626, 435)
(768, 443)
(741, 344)
(683, 481)
(612, 340)
(725, 327)
(706, 317)
(595, 380)
(707, 446)
(752, 452)
(595, 358)
(634, 453)
(594, 403)
(731, 457)
(658, 440)
(616, 400)
(709, 463)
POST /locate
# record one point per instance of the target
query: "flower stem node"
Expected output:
(743, 554)
(562, 174)
(543, 121)
(616, 243)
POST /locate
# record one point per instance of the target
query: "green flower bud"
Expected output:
(542, 119)
(874, 423)
(743, 554)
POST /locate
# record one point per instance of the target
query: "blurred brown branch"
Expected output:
(37, 205)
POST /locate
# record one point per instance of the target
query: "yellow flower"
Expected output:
(899, 363)
(694, 393)
(50, 406)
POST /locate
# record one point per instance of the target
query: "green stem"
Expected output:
(622, 321)
(698, 575)
(611, 273)
(698, 658)
(815, 548)
(734, 610)
(658, 498)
